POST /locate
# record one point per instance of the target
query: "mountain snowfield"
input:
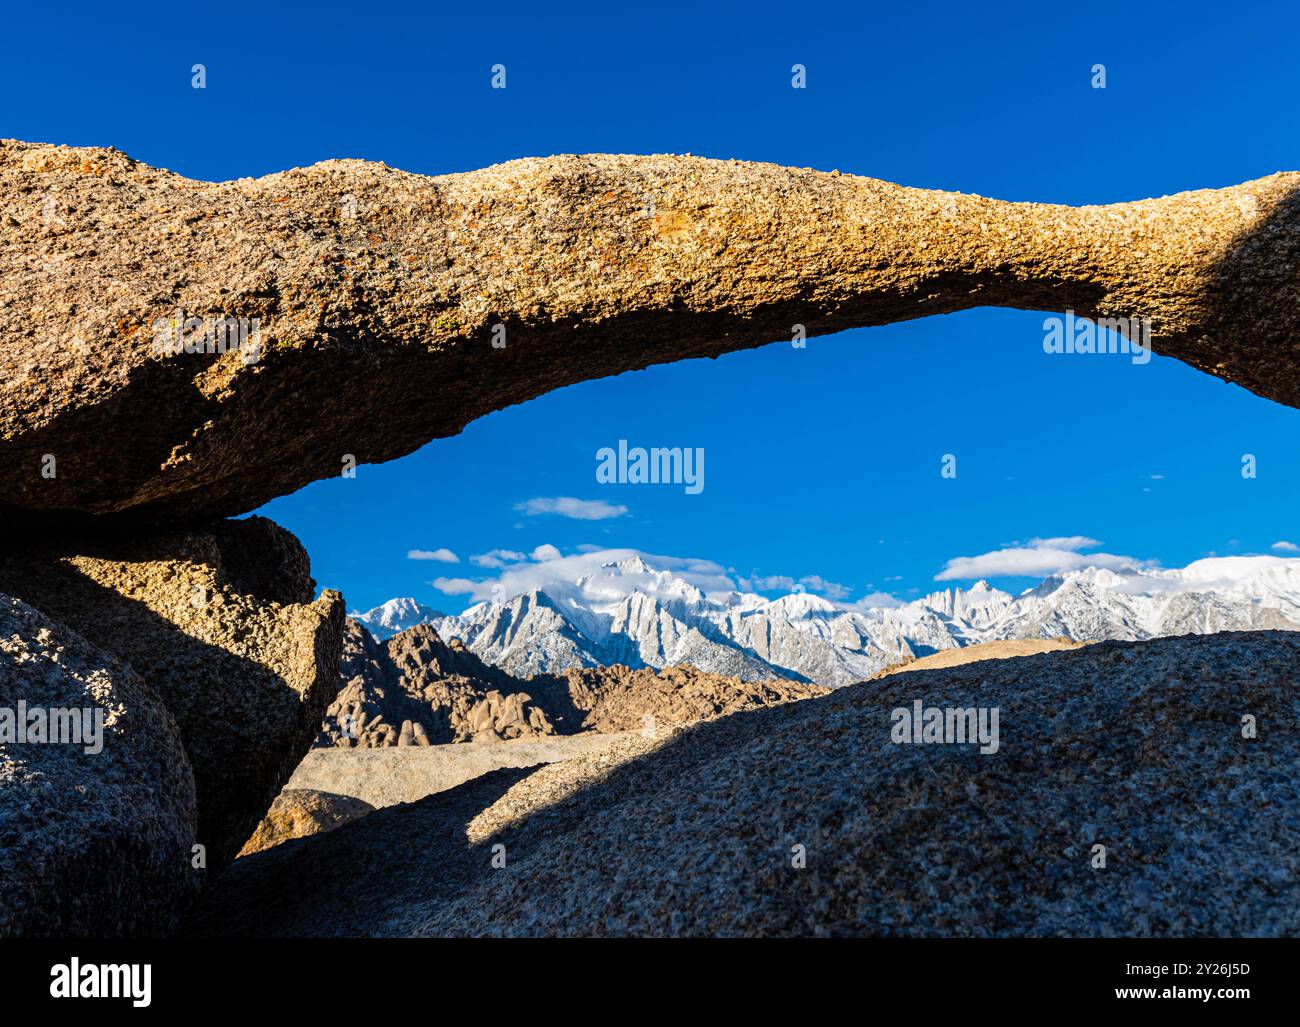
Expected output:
(632, 613)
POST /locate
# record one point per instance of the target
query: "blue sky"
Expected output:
(821, 463)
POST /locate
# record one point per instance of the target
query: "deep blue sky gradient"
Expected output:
(818, 461)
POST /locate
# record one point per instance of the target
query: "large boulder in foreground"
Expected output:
(806, 819)
(95, 830)
(251, 336)
(219, 620)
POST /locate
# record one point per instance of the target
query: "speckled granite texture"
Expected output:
(393, 308)
(1137, 747)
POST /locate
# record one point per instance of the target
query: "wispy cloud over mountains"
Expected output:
(1040, 557)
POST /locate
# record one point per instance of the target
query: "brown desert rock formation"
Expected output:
(622, 699)
(222, 623)
(175, 352)
(92, 843)
(416, 690)
(392, 308)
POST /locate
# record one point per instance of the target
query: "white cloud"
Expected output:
(872, 601)
(586, 576)
(456, 586)
(441, 555)
(1040, 558)
(768, 583)
(567, 506)
(829, 589)
(1066, 542)
(1286, 547)
(558, 575)
(497, 558)
(815, 583)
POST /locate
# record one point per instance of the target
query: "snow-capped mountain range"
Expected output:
(632, 613)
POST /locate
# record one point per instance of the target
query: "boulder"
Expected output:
(96, 823)
(300, 812)
(222, 623)
(249, 337)
(1137, 789)
(387, 776)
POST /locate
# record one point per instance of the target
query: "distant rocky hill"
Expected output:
(621, 699)
(416, 689)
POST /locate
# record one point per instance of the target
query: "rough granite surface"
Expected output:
(221, 622)
(1001, 649)
(299, 812)
(92, 844)
(393, 308)
(387, 776)
(1137, 747)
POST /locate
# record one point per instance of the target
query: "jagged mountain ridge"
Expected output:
(630, 613)
(414, 689)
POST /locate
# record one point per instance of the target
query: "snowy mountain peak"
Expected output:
(396, 615)
(802, 604)
(631, 565)
(983, 601)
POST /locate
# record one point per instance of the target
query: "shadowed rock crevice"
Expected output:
(221, 622)
(1251, 299)
(379, 292)
(262, 895)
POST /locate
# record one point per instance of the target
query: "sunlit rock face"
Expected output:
(171, 349)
